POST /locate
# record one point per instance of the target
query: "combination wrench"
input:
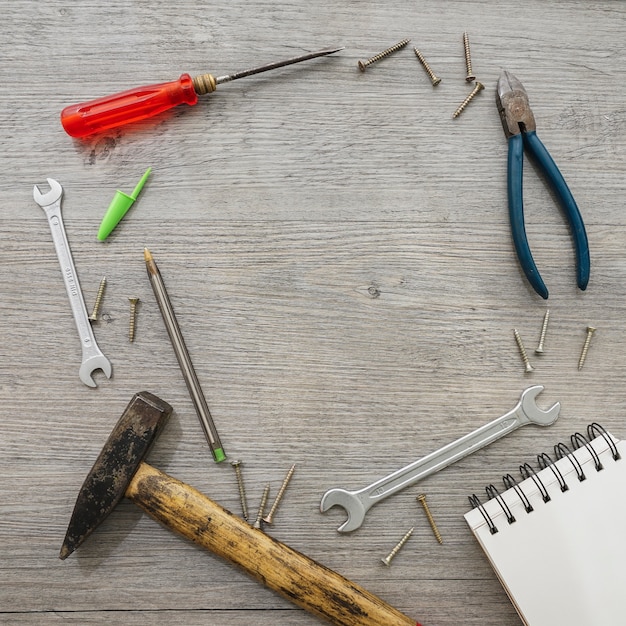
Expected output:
(358, 503)
(92, 359)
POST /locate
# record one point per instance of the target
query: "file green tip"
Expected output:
(119, 206)
(218, 455)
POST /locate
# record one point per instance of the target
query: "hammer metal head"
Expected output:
(114, 468)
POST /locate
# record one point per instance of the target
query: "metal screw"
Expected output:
(422, 499)
(242, 489)
(477, 88)
(583, 354)
(470, 78)
(259, 517)
(544, 328)
(522, 351)
(133, 318)
(96, 307)
(433, 78)
(279, 496)
(383, 54)
(387, 560)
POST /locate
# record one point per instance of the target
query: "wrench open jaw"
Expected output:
(350, 502)
(357, 503)
(90, 365)
(51, 197)
(92, 357)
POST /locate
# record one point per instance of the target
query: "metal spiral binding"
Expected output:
(511, 483)
(492, 492)
(544, 461)
(528, 472)
(476, 503)
(561, 451)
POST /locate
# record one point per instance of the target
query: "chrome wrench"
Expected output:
(357, 503)
(93, 359)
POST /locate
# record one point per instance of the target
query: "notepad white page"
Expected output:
(565, 562)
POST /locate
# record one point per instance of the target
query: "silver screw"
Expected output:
(259, 518)
(544, 328)
(96, 307)
(583, 354)
(470, 78)
(522, 351)
(268, 519)
(133, 318)
(422, 499)
(477, 88)
(242, 489)
(381, 55)
(387, 560)
(434, 79)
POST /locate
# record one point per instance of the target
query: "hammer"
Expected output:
(120, 471)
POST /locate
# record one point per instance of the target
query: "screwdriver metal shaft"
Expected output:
(276, 65)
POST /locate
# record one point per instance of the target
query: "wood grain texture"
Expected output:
(338, 253)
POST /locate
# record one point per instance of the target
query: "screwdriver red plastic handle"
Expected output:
(80, 120)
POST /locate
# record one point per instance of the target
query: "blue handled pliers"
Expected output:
(519, 126)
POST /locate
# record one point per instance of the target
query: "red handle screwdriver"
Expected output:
(80, 120)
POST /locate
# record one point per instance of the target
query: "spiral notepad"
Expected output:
(556, 538)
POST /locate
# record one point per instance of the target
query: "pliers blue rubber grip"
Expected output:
(519, 126)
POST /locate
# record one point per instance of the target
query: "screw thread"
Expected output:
(433, 77)
(479, 87)
(583, 354)
(429, 516)
(542, 336)
(241, 487)
(96, 307)
(383, 54)
(133, 318)
(387, 560)
(468, 59)
(259, 517)
(522, 351)
(279, 496)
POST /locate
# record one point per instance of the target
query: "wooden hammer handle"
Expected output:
(298, 578)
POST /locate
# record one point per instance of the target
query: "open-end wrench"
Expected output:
(93, 359)
(357, 503)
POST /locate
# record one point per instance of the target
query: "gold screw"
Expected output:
(433, 78)
(259, 517)
(477, 88)
(133, 318)
(242, 489)
(96, 307)
(387, 560)
(522, 351)
(470, 78)
(279, 496)
(363, 64)
(583, 354)
(542, 336)
(422, 499)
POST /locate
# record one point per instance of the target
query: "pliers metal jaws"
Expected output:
(519, 126)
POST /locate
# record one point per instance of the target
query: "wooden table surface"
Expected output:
(338, 252)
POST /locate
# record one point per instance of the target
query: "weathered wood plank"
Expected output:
(338, 252)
